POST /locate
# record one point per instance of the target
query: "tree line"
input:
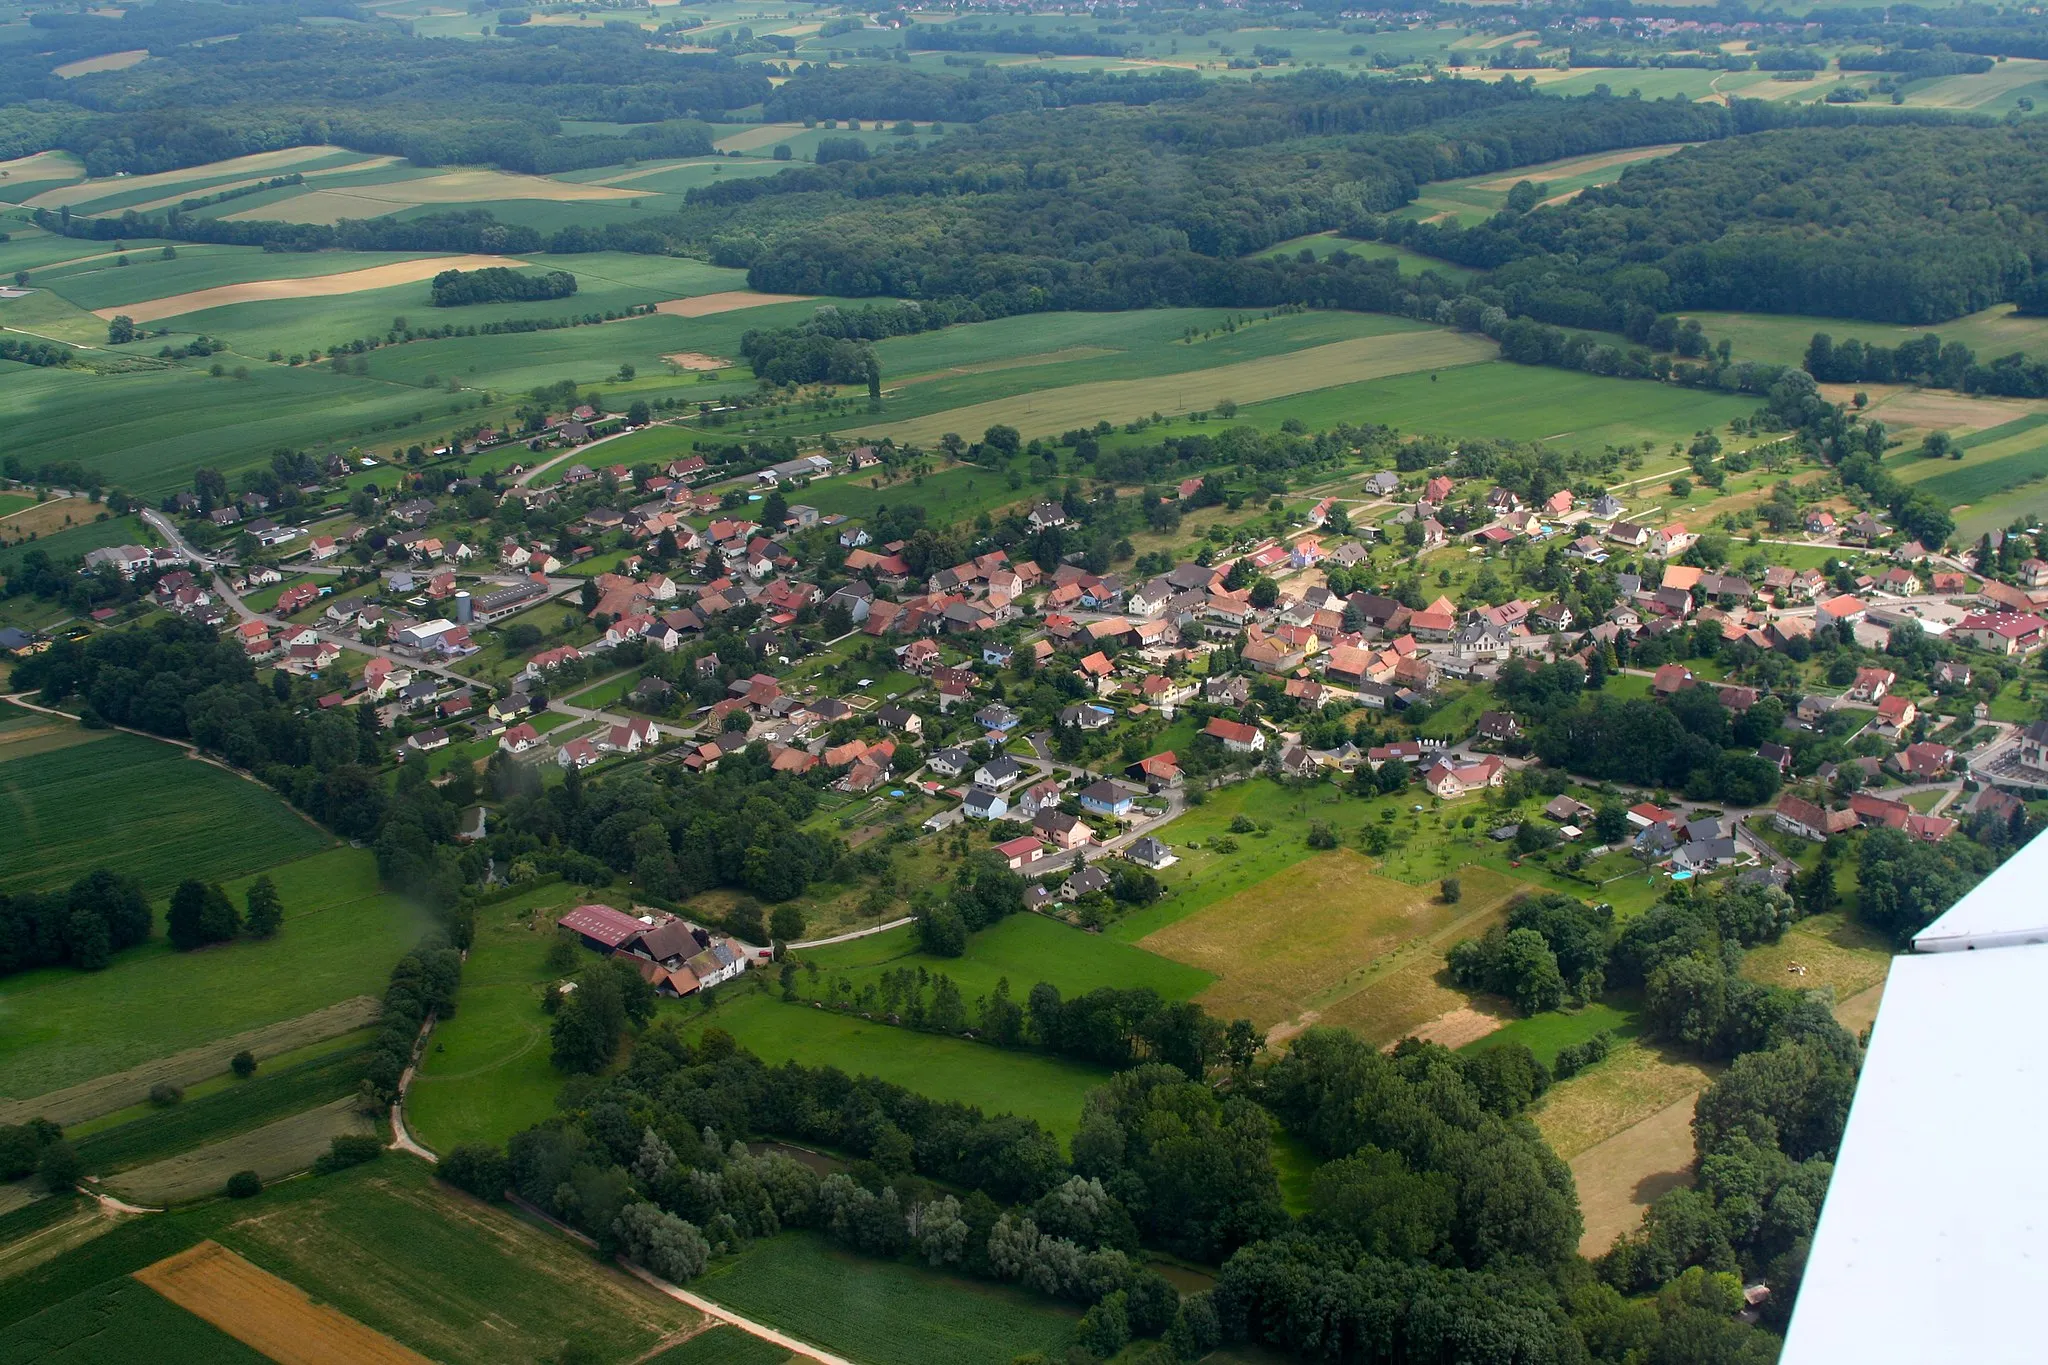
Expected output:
(499, 284)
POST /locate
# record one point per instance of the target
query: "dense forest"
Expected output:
(1911, 224)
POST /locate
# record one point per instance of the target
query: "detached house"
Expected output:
(1237, 737)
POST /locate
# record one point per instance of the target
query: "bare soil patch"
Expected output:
(1624, 1175)
(766, 135)
(1466, 1024)
(105, 1094)
(1926, 409)
(727, 301)
(107, 61)
(267, 1314)
(696, 360)
(1636, 1081)
(312, 287)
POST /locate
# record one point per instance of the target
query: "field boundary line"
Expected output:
(696, 1301)
(266, 1312)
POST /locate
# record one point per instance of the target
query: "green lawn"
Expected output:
(341, 935)
(883, 1312)
(1024, 949)
(1047, 1089)
(142, 807)
(1545, 1034)
(486, 1074)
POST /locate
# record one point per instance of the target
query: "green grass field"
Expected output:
(1546, 1034)
(143, 807)
(1048, 1089)
(486, 1074)
(721, 1345)
(341, 935)
(882, 1312)
(1024, 949)
(271, 1094)
(121, 1319)
(385, 1243)
(1080, 400)
(1507, 401)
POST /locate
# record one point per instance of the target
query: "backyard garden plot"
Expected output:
(141, 806)
(1048, 1089)
(60, 1027)
(883, 1312)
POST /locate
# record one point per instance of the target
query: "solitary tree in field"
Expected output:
(266, 908)
(200, 914)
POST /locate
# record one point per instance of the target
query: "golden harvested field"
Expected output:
(659, 167)
(766, 135)
(311, 287)
(106, 61)
(455, 1278)
(41, 166)
(275, 1150)
(455, 187)
(728, 301)
(105, 1094)
(52, 515)
(1312, 937)
(367, 164)
(1834, 951)
(1928, 409)
(1636, 1081)
(255, 164)
(268, 1314)
(1250, 381)
(1624, 1175)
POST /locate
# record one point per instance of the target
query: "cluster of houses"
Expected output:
(676, 957)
